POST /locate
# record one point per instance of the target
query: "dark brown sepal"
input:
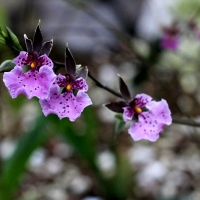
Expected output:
(116, 106)
(70, 63)
(46, 47)
(82, 72)
(124, 90)
(37, 40)
(29, 44)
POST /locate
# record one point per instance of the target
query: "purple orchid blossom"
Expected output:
(40, 76)
(170, 42)
(170, 39)
(66, 103)
(151, 116)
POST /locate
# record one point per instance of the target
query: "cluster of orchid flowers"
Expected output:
(34, 75)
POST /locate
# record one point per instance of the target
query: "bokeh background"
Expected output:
(43, 158)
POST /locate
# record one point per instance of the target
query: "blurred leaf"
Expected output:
(82, 139)
(123, 180)
(13, 168)
(13, 39)
(2, 41)
(184, 7)
(120, 186)
(3, 34)
(119, 116)
(119, 126)
(6, 66)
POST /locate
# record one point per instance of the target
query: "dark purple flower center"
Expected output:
(69, 82)
(33, 59)
(134, 105)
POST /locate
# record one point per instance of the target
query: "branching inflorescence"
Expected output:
(33, 74)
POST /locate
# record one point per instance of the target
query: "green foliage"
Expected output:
(9, 39)
(6, 66)
(82, 139)
(13, 168)
(2, 41)
(119, 124)
(13, 39)
(189, 8)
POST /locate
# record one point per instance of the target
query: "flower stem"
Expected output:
(186, 122)
(99, 84)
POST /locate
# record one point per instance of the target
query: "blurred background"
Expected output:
(43, 158)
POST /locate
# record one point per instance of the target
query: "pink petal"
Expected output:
(21, 60)
(82, 100)
(80, 84)
(128, 113)
(151, 123)
(160, 112)
(61, 80)
(32, 83)
(145, 131)
(143, 99)
(45, 60)
(66, 104)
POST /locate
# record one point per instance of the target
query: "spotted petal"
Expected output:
(66, 104)
(22, 59)
(45, 60)
(160, 111)
(128, 113)
(80, 84)
(140, 130)
(143, 99)
(60, 80)
(32, 83)
(151, 123)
